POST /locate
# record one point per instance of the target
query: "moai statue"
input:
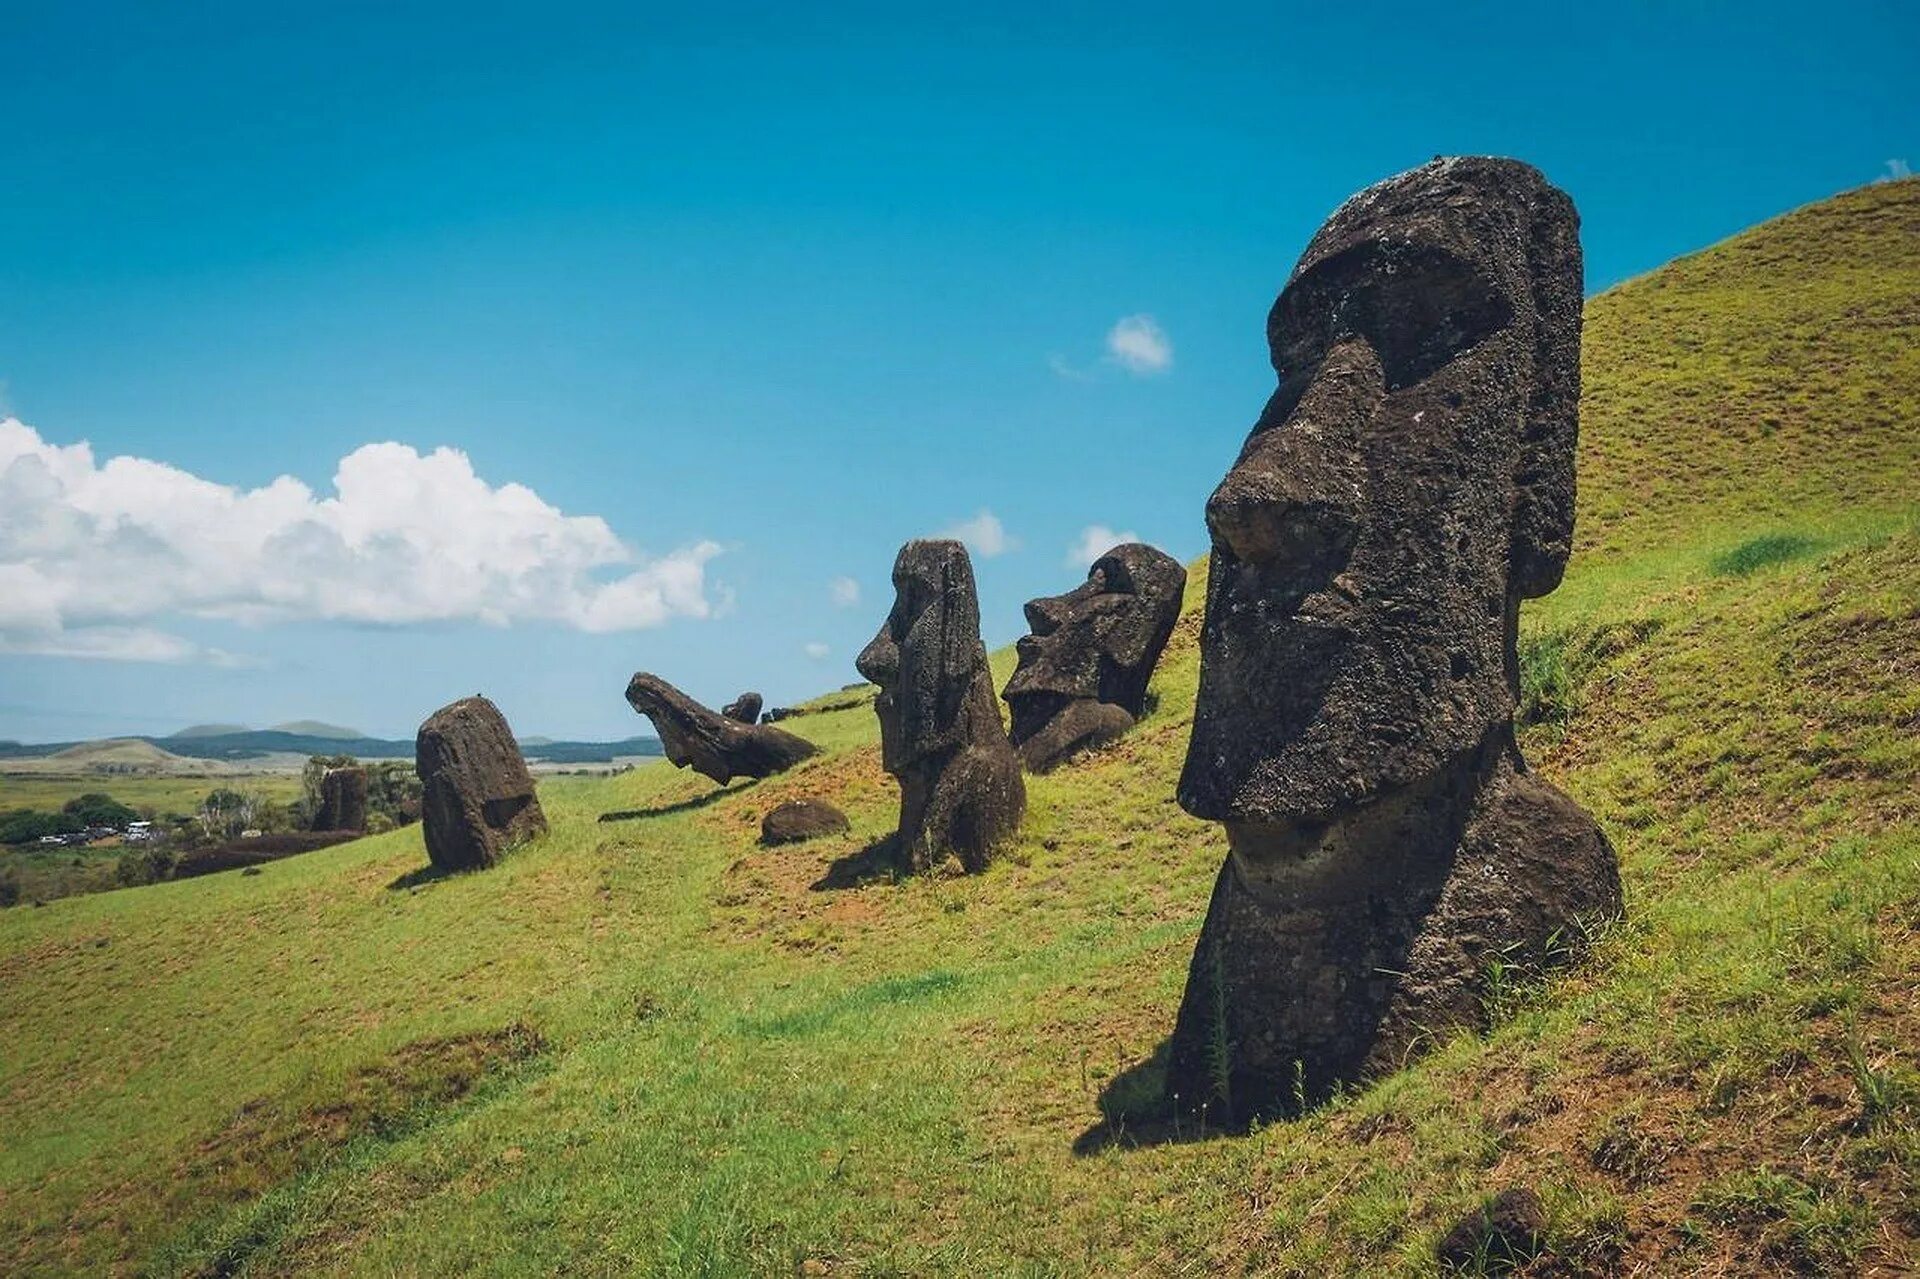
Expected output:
(1409, 483)
(719, 746)
(343, 799)
(1082, 678)
(476, 796)
(745, 708)
(961, 793)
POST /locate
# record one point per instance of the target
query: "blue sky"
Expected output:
(765, 291)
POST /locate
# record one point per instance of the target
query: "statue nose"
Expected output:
(879, 661)
(1293, 494)
(1256, 515)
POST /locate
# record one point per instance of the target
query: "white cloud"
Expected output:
(89, 550)
(1896, 170)
(1139, 345)
(844, 592)
(984, 535)
(1066, 370)
(1094, 541)
(816, 650)
(117, 644)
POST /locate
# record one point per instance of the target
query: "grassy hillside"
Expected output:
(645, 1045)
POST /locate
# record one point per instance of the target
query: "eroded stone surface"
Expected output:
(961, 792)
(745, 708)
(477, 798)
(1084, 666)
(710, 743)
(1407, 486)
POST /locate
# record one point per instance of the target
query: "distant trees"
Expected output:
(95, 809)
(25, 825)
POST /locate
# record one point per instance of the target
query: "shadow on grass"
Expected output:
(418, 876)
(877, 861)
(1137, 1113)
(678, 806)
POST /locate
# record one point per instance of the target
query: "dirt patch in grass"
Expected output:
(269, 1140)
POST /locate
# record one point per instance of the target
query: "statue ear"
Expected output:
(1543, 467)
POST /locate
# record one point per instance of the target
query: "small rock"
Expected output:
(801, 819)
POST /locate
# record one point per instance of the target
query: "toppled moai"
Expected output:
(710, 743)
(343, 799)
(1083, 672)
(745, 708)
(961, 793)
(477, 798)
(1408, 484)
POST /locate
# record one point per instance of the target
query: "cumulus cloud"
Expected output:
(1896, 170)
(89, 551)
(1139, 345)
(984, 535)
(816, 650)
(1094, 541)
(844, 592)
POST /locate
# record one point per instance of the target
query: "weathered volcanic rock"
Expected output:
(343, 799)
(745, 708)
(961, 793)
(718, 746)
(1406, 487)
(801, 819)
(1082, 678)
(1497, 1239)
(477, 799)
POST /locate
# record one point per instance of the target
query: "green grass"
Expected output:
(172, 794)
(723, 1069)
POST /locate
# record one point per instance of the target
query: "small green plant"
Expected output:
(1761, 552)
(1549, 688)
(1885, 1091)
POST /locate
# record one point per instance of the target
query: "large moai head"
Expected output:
(940, 729)
(1085, 664)
(1407, 485)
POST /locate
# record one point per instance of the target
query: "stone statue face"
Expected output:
(1101, 639)
(923, 656)
(1409, 481)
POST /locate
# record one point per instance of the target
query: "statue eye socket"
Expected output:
(1418, 306)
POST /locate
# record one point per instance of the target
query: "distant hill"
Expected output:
(119, 750)
(246, 745)
(200, 730)
(316, 728)
(135, 755)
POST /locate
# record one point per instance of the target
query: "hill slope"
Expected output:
(643, 1044)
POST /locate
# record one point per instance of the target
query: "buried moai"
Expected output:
(477, 798)
(745, 708)
(1082, 678)
(711, 743)
(1407, 486)
(343, 799)
(961, 792)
